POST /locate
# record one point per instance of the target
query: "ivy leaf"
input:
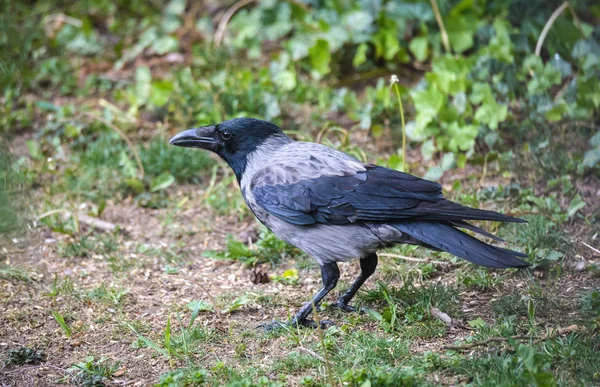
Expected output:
(576, 204)
(500, 46)
(162, 182)
(461, 136)
(142, 84)
(285, 80)
(419, 47)
(160, 92)
(361, 55)
(237, 249)
(460, 32)
(386, 44)
(428, 149)
(320, 57)
(490, 112)
(201, 306)
(428, 102)
(557, 112)
(592, 157)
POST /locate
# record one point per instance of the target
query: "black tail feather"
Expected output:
(470, 227)
(445, 237)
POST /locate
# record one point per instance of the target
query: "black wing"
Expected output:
(377, 194)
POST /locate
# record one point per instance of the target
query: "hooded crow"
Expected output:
(336, 208)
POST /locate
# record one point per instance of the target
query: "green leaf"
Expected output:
(460, 32)
(162, 182)
(34, 150)
(160, 92)
(387, 44)
(361, 55)
(460, 136)
(477, 323)
(200, 306)
(285, 80)
(557, 112)
(237, 303)
(143, 79)
(374, 314)
(434, 173)
(501, 46)
(175, 7)
(490, 112)
(320, 56)
(448, 161)
(419, 47)
(576, 204)
(148, 342)
(61, 322)
(592, 157)
(135, 184)
(165, 44)
(168, 334)
(237, 249)
(428, 149)
(428, 103)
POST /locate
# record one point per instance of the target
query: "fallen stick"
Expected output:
(411, 259)
(312, 353)
(96, 223)
(548, 335)
(449, 321)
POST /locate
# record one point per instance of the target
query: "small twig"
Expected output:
(576, 18)
(449, 321)
(62, 18)
(97, 223)
(549, 23)
(312, 353)
(486, 342)
(233, 9)
(551, 333)
(74, 215)
(121, 134)
(595, 250)
(395, 82)
(53, 212)
(225, 19)
(210, 297)
(411, 259)
(440, 21)
(21, 369)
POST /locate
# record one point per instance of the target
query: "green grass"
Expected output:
(24, 355)
(93, 372)
(95, 90)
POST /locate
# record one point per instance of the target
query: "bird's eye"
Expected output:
(225, 135)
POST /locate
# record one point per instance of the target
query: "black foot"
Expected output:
(347, 308)
(306, 323)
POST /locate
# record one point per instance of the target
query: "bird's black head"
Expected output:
(233, 140)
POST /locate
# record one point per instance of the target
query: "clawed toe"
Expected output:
(343, 307)
(306, 323)
(347, 308)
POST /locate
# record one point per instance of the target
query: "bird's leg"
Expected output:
(330, 273)
(367, 268)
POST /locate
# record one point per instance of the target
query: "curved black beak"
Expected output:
(203, 138)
